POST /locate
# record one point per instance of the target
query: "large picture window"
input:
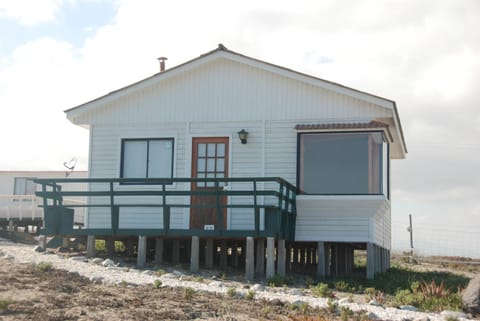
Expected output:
(147, 158)
(343, 163)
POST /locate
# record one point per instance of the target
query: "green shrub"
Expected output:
(345, 313)
(44, 266)
(157, 284)
(279, 280)
(100, 246)
(341, 285)
(188, 293)
(4, 304)
(231, 292)
(160, 272)
(250, 295)
(322, 290)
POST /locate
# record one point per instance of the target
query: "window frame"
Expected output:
(147, 140)
(385, 189)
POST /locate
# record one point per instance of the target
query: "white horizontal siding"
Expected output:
(225, 90)
(336, 218)
(382, 226)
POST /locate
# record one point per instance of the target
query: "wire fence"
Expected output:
(436, 239)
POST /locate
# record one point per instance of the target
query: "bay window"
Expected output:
(342, 163)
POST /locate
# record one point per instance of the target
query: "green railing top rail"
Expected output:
(163, 181)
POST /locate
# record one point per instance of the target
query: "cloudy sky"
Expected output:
(425, 55)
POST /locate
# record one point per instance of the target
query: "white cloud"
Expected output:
(31, 12)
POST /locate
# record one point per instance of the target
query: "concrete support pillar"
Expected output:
(209, 254)
(223, 254)
(260, 259)
(129, 247)
(281, 261)
(159, 250)
(270, 257)
(110, 246)
(175, 251)
(370, 261)
(91, 252)
(341, 259)
(195, 254)
(321, 265)
(65, 242)
(289, 257)
(235, 254)
(250, 259)
(42, 242)
(142, 251)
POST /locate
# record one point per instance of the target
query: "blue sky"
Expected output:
(73, 22)
(425, 55)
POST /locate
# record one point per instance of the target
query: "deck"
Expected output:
(271, 200)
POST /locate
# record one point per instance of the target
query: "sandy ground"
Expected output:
(32, 294)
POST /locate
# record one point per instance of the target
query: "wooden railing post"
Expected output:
(256, 209)
(219, 208)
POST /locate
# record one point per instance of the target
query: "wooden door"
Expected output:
(209, 159)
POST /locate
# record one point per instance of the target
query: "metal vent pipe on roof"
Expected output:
(162, 63)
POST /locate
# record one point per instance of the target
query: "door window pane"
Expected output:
(220, 164)
(211, 165)
(201, 164)
(211, 150)
(202, 150)
(220, 150)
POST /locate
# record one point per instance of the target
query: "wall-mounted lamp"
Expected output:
(243, 134)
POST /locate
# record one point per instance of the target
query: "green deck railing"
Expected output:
(274, 195)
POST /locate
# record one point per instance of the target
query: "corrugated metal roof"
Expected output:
(374, 124)
(371, 124)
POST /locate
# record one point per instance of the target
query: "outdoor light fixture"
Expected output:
(243, 134)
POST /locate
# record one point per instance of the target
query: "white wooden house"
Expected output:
(332, 142)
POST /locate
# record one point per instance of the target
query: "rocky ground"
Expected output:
(80, 289)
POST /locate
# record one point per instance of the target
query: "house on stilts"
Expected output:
(229, 160)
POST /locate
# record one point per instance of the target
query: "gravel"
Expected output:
(109, 272)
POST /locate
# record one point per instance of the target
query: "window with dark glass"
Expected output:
(343, 163)
(24, 186)
(147, 158)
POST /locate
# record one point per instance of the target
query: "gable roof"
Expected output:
(222, 52)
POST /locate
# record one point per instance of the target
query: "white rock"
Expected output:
(372, 316)
(96, 279)
(217, 284)
(169, 276)
(447, 314)
(108, 263)
(258, 287)
(97, 260)
(374, 302)
(295, 292)
(38, 248)
(424, 318)
(178, 273)
(79, 258)
(344, 300)
(148, 272)
(408, 308)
